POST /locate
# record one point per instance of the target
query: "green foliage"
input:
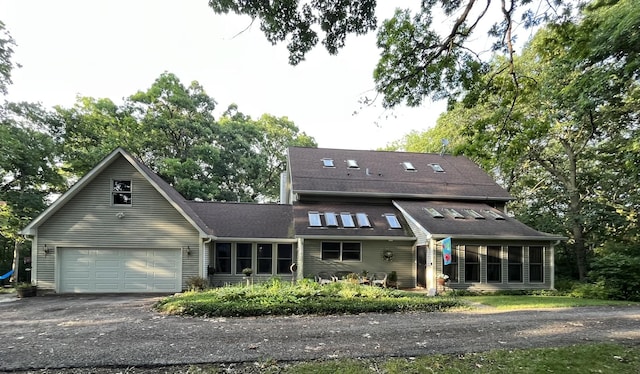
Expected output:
(616, 274)
(305, 297)
(6, 52)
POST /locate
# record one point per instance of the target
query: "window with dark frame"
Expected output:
(536, 264)
(341, 251)
(265, 258)
(494, 263)
(243, 256)
(471, 263)
(121, 192)
(285, 258)
(452, 269)
(223, 258)
(515, 264)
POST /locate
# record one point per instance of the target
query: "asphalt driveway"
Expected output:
(87, 331)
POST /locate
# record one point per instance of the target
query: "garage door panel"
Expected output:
(120, 270)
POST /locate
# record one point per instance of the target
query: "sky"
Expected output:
(112, 49)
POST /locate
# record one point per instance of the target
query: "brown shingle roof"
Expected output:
(375, 213)
(469, 226)
(246, 220)
(382, 174)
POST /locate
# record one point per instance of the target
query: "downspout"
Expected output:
(205, 258)
(552, 264)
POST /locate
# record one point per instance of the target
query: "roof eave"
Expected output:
(356, 237)
(401, 196)
(498, 237)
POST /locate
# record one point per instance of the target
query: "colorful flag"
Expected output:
(446, 250)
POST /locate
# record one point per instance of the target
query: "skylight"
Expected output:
(493, 214)
(454, 213)
(393, 221)
(474, 214)
(327, 163)
(437, 168)
(314, 219)
(408, 166)
(352, 164)
(434, 213)
(363, 220)
(331, 219)
(347, 219)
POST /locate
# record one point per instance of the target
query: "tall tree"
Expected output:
(556, 136)
(417, 59)
(6, 52)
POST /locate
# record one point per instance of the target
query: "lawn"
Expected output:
(588, 358)
(305, 297)
(538, 301)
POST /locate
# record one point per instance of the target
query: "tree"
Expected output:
(555, 137)
(6, 52)
(417, 60)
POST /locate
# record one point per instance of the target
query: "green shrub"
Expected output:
(590, 291)
(197, 284)
(618, 274)
(275, 297)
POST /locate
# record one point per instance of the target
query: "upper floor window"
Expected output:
(331, 219)
(314, 219)
(328, 163)
(393, 221)
(121, 192)
(437, 168)
(408, 166)
(347, 219)
(363, 220)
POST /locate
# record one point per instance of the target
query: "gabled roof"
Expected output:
(385, 174)
(246, 220)
(375, 213)
(166, 190)
(474, 221)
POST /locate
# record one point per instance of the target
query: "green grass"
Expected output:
(305, 297)
(588, 358)
(539, 301)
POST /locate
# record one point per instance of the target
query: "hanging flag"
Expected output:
(446, 250)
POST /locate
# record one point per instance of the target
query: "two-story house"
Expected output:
(121, 228)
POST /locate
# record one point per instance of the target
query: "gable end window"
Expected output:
(121, 192)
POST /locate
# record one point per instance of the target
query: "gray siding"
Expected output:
(403, 262)
(89, 220)
(483, 285)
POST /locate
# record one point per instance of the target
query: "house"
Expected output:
(121, 228)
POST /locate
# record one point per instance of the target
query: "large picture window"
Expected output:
(341, 251)
(121, 192)
(285, 258)
(494, 263)
(471, 263)
(515, 264)
(223, 258)
(536, 264)
(265, 258)
(243, 257)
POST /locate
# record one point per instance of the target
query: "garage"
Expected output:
(104, 270)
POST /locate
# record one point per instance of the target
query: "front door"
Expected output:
(421, 261)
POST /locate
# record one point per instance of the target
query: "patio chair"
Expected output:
(342, 275)
(324, 278)
(379, 279)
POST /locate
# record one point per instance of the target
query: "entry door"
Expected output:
(421, 261)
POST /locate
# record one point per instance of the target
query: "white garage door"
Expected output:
(101, 270)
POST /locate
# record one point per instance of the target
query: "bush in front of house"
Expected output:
(305, 297)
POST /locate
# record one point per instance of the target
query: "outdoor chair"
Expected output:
(342, 275)
(379, 279)
(325, 278)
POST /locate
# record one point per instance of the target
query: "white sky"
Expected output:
(114, 48)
